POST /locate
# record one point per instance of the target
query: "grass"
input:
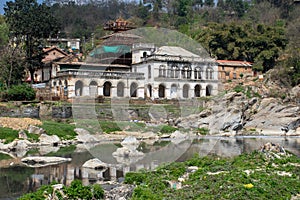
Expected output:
(62, 130)
(4, 156)
(202, 131)
(234, 183)
(64, 151)
(8, 134)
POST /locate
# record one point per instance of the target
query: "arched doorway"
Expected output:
(173, 91)
(66, 88)
(78, 88)
(149, 90)
(185, 91)
(161, 91)
(208, 90)
(106, 89)
(133, 90)
(197, 91)
(93, 89)
(120, 89)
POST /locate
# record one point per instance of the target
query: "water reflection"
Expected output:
(16, 180)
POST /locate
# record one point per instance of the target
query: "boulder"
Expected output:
(35, 130)
(84, 136)
(22, 134)
(38, 161)
(178, 135)
(95, 164)
(49, 139)
(21, 144)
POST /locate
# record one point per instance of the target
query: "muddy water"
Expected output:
(16, 180)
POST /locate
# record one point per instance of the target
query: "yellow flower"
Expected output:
(249, 185)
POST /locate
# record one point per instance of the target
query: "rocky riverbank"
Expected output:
(236, 114)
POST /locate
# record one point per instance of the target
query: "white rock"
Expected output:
(35, 130)
(95, 164)
(84, 136)
(49, 139)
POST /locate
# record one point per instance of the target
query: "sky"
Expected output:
(3, 2)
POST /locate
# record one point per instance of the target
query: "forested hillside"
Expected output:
(265, 32)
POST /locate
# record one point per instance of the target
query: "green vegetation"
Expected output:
(202, 131)
(4, 156)
(19, 93)
(75, 191)
(109, 127)
(167, 129)
(8, 134)
(248, 176)
(62, 130)
(63, 151)
(32, 137)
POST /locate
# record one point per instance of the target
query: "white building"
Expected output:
(139, 70)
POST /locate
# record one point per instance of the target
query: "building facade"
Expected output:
(153, 72)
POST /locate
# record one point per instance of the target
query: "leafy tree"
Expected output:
(261, 44)
(3, 32)
(11, 66)
(29, 23)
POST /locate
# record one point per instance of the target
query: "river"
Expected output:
(16, 179)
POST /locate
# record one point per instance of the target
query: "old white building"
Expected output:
(138, 70)
(173, 72)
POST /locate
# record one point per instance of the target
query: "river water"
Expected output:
(16, 179)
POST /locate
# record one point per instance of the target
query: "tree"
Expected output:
(11, 66)
(3, 32)
(29, 24)
(260, 44)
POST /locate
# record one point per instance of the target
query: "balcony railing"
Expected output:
(101, 74)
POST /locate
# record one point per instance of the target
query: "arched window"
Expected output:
(209, 73)
(208, 90)
(144, 54)
(161, 91)
(149, 71)
(186, 72)
(198, 73)
(162, 71)
(133, 90)
(93, 89)
(120, 89)
(197, 91)
(106, 89)
(174, 71)
(66, 88)
(185, 91)
(78, 88)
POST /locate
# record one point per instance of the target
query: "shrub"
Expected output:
(239, 88)
(202, 131)
(167, 129)
(21, 92)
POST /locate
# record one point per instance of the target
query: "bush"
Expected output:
(202, 131)
(21, 92)
(168, 129)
